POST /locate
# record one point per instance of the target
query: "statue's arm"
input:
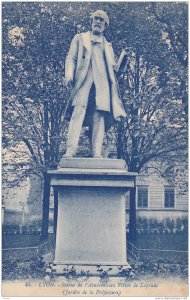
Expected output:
(71, 60)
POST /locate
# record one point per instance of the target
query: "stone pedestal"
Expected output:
(91, 227)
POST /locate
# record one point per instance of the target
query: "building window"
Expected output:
(142, 197)
(169, 197)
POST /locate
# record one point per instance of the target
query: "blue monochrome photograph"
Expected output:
(94, 149)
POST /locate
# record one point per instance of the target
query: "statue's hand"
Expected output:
(68, 83)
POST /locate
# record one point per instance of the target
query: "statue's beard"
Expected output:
(97, 29)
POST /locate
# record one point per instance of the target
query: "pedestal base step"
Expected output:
(92, 163)
(90, 270)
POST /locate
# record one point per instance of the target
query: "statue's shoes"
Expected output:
(97, 156)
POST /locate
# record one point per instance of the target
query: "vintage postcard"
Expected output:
(94, 149)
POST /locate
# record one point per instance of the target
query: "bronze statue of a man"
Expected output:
(95, 99)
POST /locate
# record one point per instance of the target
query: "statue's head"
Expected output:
(100, 21)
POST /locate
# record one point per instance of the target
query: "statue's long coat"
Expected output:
(76, 68)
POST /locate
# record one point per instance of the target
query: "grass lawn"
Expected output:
(21, 240)
(169, 241)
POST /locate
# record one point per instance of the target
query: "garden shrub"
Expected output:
(167, 225)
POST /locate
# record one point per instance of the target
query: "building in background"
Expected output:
(160, 198)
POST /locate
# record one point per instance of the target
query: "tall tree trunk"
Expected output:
(134, 156)
(45, 212)
(55, 195)
(132, 215)
(46, 188)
